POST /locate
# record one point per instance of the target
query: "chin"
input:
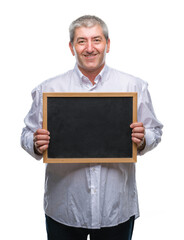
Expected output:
(93, 66)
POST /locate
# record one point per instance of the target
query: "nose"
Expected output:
(89, 47)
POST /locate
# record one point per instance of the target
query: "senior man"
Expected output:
(90, 198)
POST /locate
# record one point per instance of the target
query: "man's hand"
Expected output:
(41, 141)
(138, 133)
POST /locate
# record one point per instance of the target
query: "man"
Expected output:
(96, 199)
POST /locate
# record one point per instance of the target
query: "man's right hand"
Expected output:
(41, 141)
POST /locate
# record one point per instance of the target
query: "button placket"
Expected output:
(95, 201)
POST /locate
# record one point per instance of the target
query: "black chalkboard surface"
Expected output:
(89, 127)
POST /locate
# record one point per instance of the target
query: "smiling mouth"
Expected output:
(90, 55)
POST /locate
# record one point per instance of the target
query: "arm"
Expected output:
(33, 122)
(148, 131)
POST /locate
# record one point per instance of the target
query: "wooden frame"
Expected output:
(130, 95)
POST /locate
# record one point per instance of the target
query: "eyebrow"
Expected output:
(80, 38)
(83, 38)
(98, 37)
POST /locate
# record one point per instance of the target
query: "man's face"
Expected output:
(90, 48)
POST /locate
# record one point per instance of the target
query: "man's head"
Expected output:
(88, 21)
(89, 43)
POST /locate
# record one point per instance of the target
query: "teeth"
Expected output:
(90, 55)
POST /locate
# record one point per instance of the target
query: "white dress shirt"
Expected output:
(92, 195)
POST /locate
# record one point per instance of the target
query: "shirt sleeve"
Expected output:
(33, 121)
(146, 115)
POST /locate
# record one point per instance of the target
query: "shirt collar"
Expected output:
(99, 78)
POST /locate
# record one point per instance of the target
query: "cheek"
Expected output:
(80, 49)
(77, 50)
(103, 49)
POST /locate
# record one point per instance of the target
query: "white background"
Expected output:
(146, 41)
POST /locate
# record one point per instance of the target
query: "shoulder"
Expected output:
(135, 83)
(55, 83)
(57, 80)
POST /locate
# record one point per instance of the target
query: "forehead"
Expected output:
(88, 32)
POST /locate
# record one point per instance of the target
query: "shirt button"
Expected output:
(93, 190)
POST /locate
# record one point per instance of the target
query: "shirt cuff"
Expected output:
(151, 141)
(29, 147)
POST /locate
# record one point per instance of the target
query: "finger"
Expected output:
(138, 130)
(136, 140)
(136, 124)
(138, 135)
(41, 131)
(43, 148)
(41, 137)
(41, 143)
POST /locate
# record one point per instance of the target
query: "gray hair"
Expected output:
(87, 21)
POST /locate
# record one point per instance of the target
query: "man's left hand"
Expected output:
(138, 133)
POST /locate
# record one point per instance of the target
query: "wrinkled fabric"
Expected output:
(92, 195)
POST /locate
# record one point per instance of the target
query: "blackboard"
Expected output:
(89, 127)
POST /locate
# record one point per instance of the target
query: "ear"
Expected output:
(71, 48)
(108, 46)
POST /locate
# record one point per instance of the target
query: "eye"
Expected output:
(97, 40)
(81, 41)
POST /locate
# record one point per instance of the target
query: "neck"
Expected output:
(91, 75)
